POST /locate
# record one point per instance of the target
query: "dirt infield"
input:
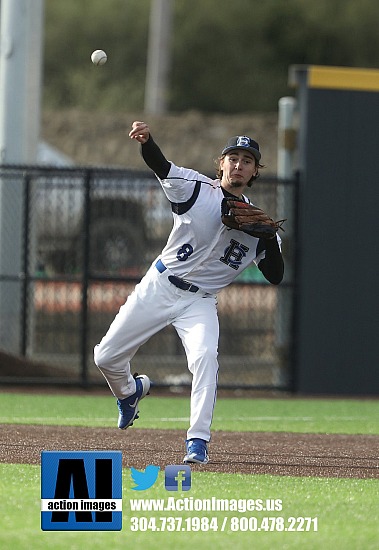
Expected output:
(288, 454)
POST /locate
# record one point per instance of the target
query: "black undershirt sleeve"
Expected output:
(155, 159)
(272, 266)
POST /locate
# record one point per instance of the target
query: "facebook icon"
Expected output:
(178, 478)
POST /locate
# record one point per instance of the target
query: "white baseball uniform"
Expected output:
(201, 257)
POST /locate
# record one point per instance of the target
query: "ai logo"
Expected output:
(178, 478)
(81, 490)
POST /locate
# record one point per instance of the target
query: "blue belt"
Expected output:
(160, 266)
(176, 281)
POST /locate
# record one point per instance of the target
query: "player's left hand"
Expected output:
(248, 218)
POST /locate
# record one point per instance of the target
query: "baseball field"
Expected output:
(314, 461)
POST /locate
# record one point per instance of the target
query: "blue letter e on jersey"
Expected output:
(81, 490)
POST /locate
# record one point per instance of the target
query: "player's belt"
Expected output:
(176, 281)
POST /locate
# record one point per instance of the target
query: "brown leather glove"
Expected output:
(248, 218)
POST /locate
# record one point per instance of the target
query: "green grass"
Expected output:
(349, 416)
(346, 508)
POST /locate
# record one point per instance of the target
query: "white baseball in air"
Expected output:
(99, 57)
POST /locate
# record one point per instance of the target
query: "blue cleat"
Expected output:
(128, 407)
(196, 451)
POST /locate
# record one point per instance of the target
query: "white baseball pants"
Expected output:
(154, 304)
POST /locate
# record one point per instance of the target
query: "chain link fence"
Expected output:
(73, 244)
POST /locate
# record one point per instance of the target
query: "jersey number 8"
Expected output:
(184, 252)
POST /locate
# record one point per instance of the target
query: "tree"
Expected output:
(227, 57)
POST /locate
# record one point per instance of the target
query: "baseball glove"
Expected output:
(248, 218)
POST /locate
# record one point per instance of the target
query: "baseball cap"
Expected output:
(243, 142)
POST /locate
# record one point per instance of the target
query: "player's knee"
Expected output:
(205, 352)
(203, 357)
(100, 356)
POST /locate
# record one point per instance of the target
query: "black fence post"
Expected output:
(25, 277)
(296, 259)
(85, 276)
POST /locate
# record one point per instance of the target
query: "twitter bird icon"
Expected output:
(145, 479)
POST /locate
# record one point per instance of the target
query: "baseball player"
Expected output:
(205, 252)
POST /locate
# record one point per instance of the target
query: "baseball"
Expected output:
(99, 57)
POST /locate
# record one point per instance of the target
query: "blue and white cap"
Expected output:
(243, 142)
